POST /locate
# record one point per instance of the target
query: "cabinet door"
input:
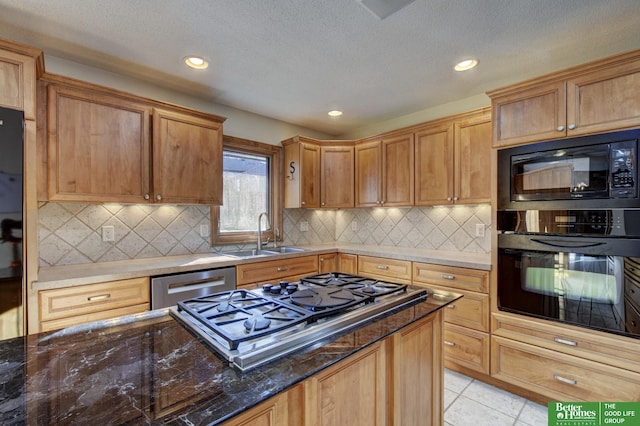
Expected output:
(397, 171)
(337, 177)
(604, 100)
(283, 409)
(530, 115)
(434, 165)
(368, 178)
(18, 82)
(328, 263)
(309, 175)
(348, 263)
(473, 160)
(98, 147)
(417, 373)
(352, 392)
(187, 159)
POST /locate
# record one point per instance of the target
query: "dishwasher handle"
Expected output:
(177, 288)
(168, 290)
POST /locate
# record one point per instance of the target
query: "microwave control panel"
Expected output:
(623, 169)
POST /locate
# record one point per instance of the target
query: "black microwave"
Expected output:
(589, 172)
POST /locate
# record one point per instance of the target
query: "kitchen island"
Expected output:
(148, 369)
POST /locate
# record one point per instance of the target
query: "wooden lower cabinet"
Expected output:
(348, 263)
(327, 263)
(352, 392)
(63, 307)
(467, 347)
(397, 381)
(249, 274)
(386, 269)
(558, 376)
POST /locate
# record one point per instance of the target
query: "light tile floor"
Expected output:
(470, 402)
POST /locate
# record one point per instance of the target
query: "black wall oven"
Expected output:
(577, 267)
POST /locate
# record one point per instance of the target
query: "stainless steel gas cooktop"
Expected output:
(250, 328)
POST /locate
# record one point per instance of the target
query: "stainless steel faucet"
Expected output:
(265, 214)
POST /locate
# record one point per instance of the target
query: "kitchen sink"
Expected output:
(249, 253)
(268, 252)
(282, 250)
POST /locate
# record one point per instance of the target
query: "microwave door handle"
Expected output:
(566, 244)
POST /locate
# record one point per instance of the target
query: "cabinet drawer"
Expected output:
(94, 316)
(600, 347)
(632, 317)
(558, 376)
(87, 299)
(397, 270)
(466, 347)
(451, 276)
(276, 269)
(472, 310)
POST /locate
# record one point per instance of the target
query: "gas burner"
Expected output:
(241, 315)
(367, 286)
(318, 298)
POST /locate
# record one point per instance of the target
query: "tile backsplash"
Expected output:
(71, 233)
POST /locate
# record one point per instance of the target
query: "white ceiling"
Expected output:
(294, 60)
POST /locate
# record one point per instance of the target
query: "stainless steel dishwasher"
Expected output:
(167, 290)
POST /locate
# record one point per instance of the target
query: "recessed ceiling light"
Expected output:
(465, 65)
(196, 62)
(335, 113)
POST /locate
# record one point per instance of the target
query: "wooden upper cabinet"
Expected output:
(434, 165)
(533, 114)
(187, 159)
(397, 170)
(368, 174)
(98, 147)
(597, 97)
(337, 178)
(322, 176)
(19, 69)
(453, 158)
(385, 172)
(472, 179)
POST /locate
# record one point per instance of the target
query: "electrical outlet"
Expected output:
(479, 230)
(108, 233)
(304, 226)
(354, 226)
(204, 231)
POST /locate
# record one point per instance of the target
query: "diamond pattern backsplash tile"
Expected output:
(71, 233)
(445, 228)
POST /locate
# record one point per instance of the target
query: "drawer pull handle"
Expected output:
(382, 267)
(565, 341)
(632, 291)
(99, 297)
(282, 269)
(448, 343)
(448, 277)
(565, 380)
(451, 306)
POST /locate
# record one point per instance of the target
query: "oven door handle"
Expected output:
(567, 244)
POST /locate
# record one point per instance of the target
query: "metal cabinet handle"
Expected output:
(572, 126)
(565, 341)
(322, 204)
(632, 291)
(560, 128)
(453, 306)
(633, 323)
(565, 380)
(99, 297)
(385, 267)
(322, 259)
(159, 197)
(302, 203)
(448, 277)
(282, 269)
(449, 198)
(448, 343)
(146, 196)
(455, 198)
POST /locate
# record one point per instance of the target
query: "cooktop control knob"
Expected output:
(283, 284)
(266, 288)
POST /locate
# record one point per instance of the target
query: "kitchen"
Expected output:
(456, 226)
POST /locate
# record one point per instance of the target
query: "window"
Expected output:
(251, 185)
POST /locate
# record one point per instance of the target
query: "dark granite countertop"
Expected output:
(148, 369)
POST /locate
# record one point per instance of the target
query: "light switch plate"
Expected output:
(204, 231)
(304, 226)
(479, 230)
(108, 233)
